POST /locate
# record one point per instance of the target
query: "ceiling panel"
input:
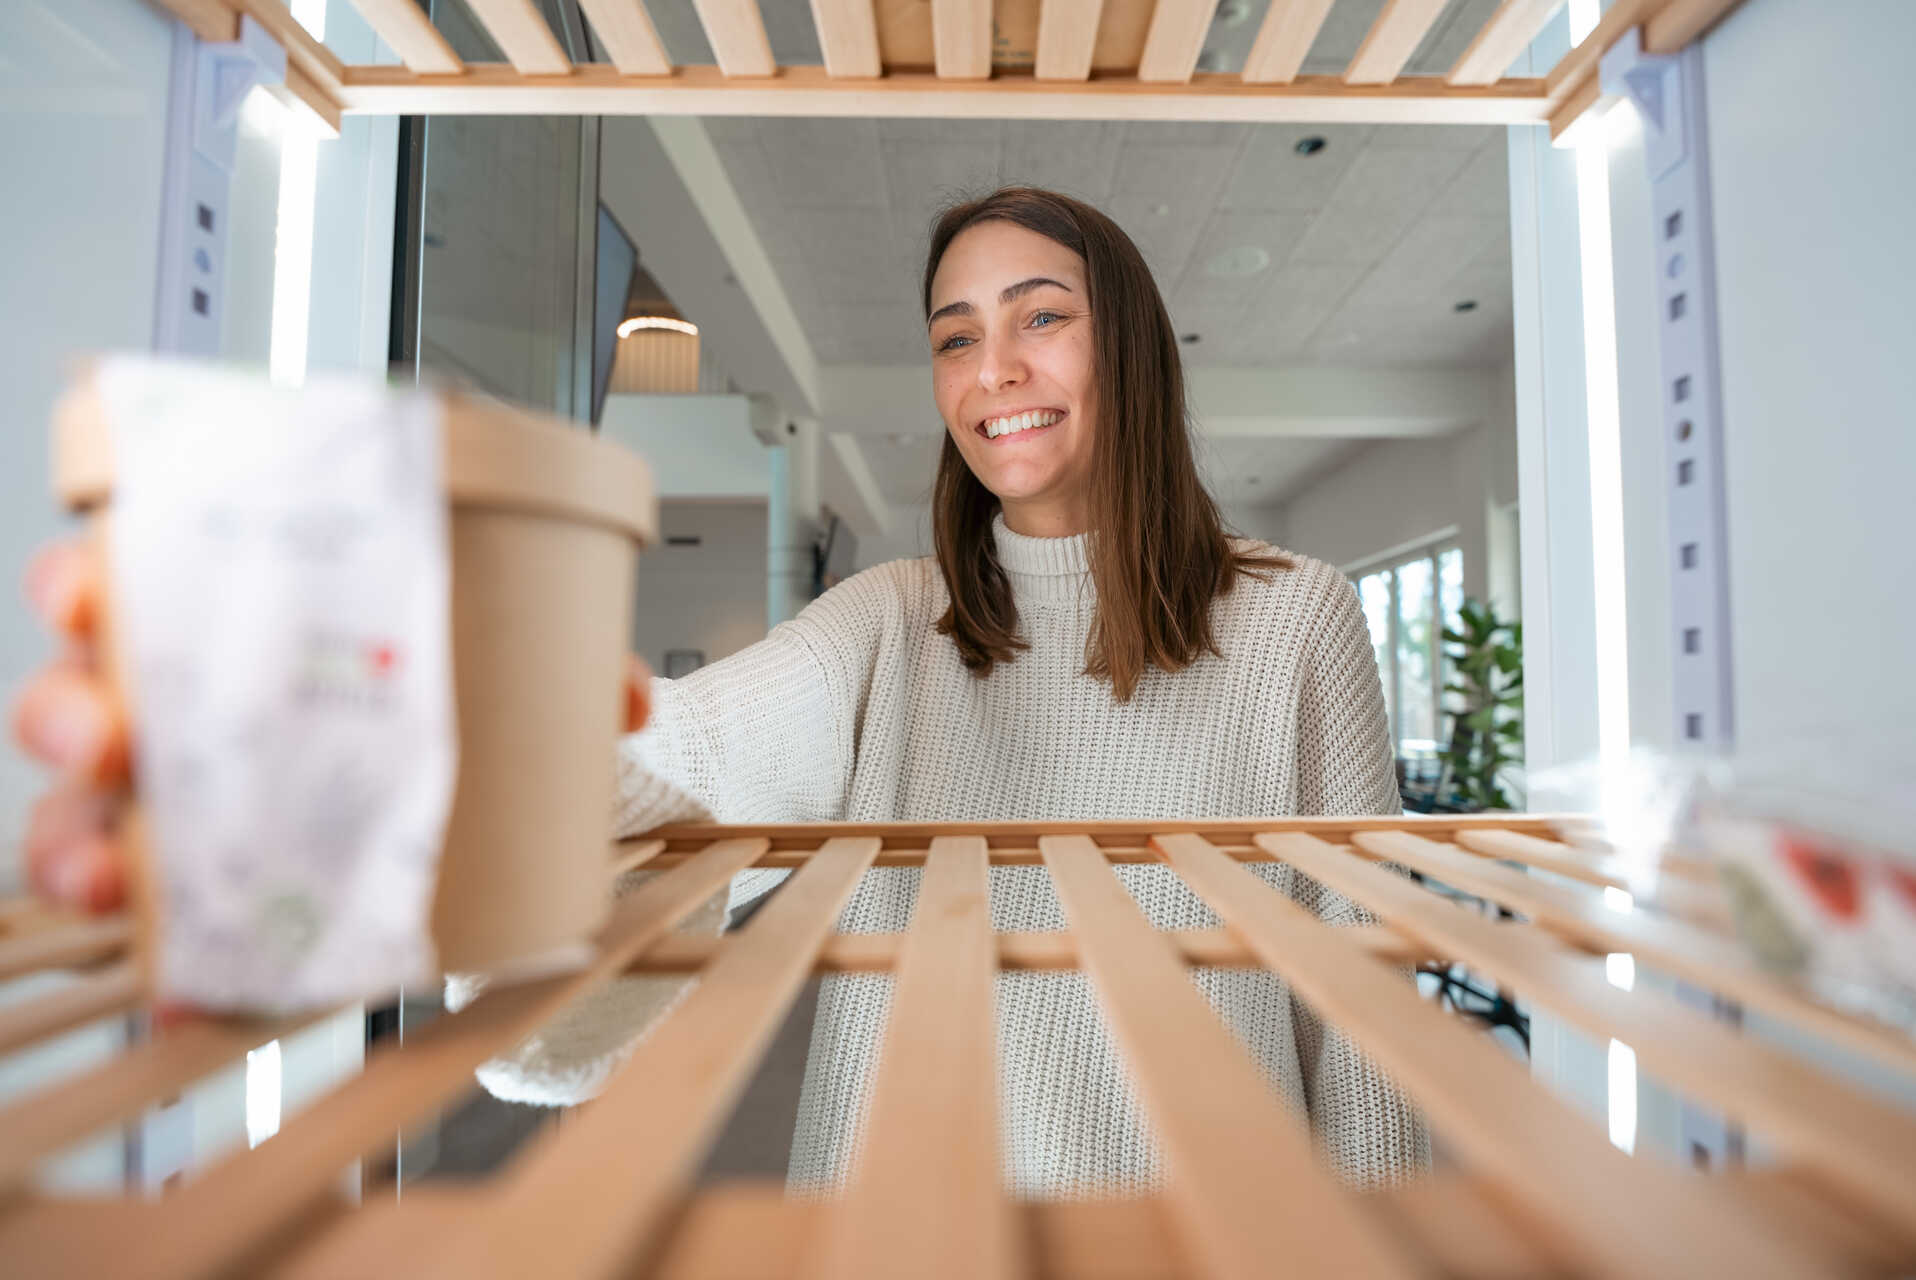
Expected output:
(1380, 231)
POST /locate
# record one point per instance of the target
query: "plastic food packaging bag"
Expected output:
(279, 573)
(1814, 850)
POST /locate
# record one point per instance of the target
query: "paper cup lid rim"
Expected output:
(496, 454)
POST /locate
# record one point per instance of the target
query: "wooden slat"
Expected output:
(1716, 964)
(1284, 41)
(388, 1236)
(1508, 33)
(736, 32)
(212, 20)
(800, 836)
(632, 855)
(615, 1180)
(220, 1217)
(1582, 98)
(961, 38)
(65, 946)
(1067, 37)
(1676, 24)
(925, 1199)
(631, 41)
(848, 37)
(112, 990)
(405, 27)
(1864, 1147)
(45, 1123)
(1392, 39)
(1240, 1175)
(299, 93)
(522, 35)
(1174, 40)
(1701, 904)
(1619, 1216)
(1796, 1199)
(879, 952)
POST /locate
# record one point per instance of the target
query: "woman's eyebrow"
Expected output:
(1010, 293)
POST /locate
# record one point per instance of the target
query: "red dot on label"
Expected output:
(384, 659)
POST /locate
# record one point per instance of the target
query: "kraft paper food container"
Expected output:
(546, 525)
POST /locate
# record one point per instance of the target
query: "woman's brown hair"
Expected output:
(1158, 548)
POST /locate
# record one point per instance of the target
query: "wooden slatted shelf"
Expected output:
(1538, 1191)
(1036, 59)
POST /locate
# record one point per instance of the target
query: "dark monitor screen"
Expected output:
(616, 258)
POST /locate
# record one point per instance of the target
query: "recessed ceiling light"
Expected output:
(1232, 12)
(1468, 304)
(1189, 339)
(1310, 146)
(1236, 264)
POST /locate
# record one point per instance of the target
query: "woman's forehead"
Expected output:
(987, 257)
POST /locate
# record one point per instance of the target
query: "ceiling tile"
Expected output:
(1076, 157)
(923, 179)
(1209, 278)
(1163, 235)
(824, 163)
(1383, 192)
(1483, 187)
(1270, 174)
(1188, 175)
(1420, 267)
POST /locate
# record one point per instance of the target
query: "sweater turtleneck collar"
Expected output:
(1042, 567)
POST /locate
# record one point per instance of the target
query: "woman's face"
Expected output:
(1011, 359)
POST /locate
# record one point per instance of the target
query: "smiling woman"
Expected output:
(1058, 377)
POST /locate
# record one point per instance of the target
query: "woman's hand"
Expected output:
(69, 718)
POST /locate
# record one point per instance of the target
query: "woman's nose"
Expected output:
(1001, 365)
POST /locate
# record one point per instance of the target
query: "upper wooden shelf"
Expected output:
(1022, 59)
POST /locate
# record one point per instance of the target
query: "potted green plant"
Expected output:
(1485, 688)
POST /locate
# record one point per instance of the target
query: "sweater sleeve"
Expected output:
(768, 734)
(1371, 1132)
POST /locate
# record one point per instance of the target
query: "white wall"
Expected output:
(710, 597)
(697, 446)
(1395, 494)
(1815, 267)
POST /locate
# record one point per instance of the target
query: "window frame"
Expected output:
(1431, 551)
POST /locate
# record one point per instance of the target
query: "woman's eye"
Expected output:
(1044, 315)
(953, 342)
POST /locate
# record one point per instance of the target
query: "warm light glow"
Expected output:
(262, 1093)
(1623, 1096)
(631, 326)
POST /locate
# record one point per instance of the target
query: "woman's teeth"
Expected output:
(1021, 422)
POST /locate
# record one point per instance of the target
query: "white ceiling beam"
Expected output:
(847, 486)
(663, 180)
(1343, 403)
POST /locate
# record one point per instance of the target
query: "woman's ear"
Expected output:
(638, 693)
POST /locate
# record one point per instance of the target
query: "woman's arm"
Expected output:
(768, 734)
(1373, 1134)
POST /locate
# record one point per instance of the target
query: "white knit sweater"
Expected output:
(858, 710)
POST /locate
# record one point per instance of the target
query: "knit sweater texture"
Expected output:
(859, 710)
